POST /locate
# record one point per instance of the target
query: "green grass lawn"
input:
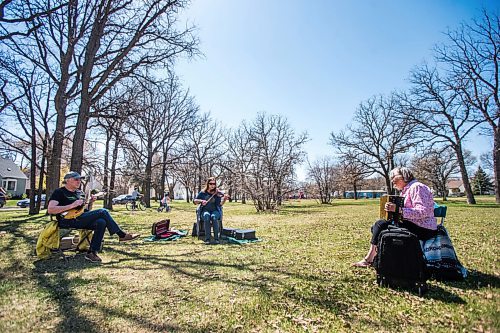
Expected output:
(298, 279)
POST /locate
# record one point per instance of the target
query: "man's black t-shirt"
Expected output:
(65, 197)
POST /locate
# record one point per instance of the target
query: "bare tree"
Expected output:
(28, 116)
(86, 47)
(204, 145)
(166, 114)
(473, 54)
(486, 161)
(435, 107)
(181, 113)
(239, 158)
(52, 47)
(437, 166)
(126, 36)
(378, 138)
(353, 169)
(185, 171)
(273, 149)
(15, 13)
(322, 171)
(114, 108)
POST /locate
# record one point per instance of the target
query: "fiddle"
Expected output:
(217, 193)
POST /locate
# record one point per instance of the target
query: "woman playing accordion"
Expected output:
(416, 214)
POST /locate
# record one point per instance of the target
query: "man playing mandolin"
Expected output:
(68, 198)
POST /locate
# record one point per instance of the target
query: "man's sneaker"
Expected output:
(92, 257)
(129, 237)
(216, 242)
(207, 242)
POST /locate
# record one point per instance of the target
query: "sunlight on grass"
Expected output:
(298, 279)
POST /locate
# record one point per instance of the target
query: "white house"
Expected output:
(455, 187)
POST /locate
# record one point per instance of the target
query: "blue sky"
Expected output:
(312, 61)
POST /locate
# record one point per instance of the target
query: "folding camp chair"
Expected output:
(199, 229)
(440, 211)
(74, 244)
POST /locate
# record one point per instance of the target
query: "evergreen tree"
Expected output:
(481, 182)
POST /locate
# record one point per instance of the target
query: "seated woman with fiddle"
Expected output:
(211, 201)
(417, 213)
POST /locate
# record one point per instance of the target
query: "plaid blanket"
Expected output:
(177, 235)
(442, 260)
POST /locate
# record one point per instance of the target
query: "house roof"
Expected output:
(9, 169)
(455, 183)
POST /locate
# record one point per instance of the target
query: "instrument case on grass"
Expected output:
(244, 234)
(229, 232)
(159, 229)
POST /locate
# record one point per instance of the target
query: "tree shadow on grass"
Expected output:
(475, 280)
(60, 289)
(15, 229)
(53, 276)
(181, 266)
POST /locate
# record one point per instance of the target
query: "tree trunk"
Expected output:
(388, 184)
(496, 162)
(465, 176)
(79, 137)
(163, 178)
(33, 204)
(147, 178)
(107, 196)
(54, 162)
(42, 172)
(112, 176)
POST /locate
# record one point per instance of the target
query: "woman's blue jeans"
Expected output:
(214, 217)
(97, 220)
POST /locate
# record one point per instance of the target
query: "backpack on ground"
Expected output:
(400, 261)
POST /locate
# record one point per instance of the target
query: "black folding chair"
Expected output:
(200, 224)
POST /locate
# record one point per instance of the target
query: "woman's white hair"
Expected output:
(404, 172)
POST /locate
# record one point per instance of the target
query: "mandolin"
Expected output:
(77, 211)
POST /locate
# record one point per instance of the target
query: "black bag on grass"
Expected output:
(241, 234)
(229, 232)
(400, 261)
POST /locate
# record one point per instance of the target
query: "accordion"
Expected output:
(392, 217)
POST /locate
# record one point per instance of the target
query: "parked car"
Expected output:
(121, 199)
(26, 202)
